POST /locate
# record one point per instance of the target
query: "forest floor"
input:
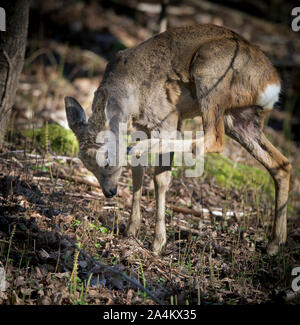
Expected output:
(214, 256)
(218, 225)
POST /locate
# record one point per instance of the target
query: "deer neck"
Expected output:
(113, 106)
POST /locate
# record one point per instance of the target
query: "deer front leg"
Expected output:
(162, 180)
(135, 217)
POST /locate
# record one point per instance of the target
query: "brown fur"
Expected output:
(203, 70)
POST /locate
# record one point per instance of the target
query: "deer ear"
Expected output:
(75, 114)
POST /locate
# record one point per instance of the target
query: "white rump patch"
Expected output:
(269, 96)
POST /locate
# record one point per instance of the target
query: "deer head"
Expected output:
(95, 147)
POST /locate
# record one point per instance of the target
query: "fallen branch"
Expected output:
(191, 230)
(185, 210)
(21, 154)
(202, 211)
(78, 179)
(109, 268)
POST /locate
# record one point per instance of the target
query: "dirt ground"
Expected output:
(217, 235)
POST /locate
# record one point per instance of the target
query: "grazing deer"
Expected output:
(201, 70)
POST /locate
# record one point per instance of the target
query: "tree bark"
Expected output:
(12, 51)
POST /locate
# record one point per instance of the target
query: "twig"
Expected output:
(191, 230)
(110, 268)
(200, 213)
(79, 179)
(186, 210)
(23, 153)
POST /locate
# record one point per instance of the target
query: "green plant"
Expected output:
(61, 140)
(9, 245)
(77, 287)
(143, 294)
(227, 173)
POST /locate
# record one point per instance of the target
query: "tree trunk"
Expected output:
(12, 51)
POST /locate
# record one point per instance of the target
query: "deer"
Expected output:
(200, 70)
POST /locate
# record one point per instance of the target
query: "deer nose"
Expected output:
(110, 193)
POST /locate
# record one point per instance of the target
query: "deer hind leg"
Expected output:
(135, 217)
(245, 126)
(162, 180)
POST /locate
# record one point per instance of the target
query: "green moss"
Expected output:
(227, 173)
(118, 46)
(60, 140)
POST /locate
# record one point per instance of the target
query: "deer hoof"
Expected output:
(273, 248)
(158, 246)
(131, 230)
